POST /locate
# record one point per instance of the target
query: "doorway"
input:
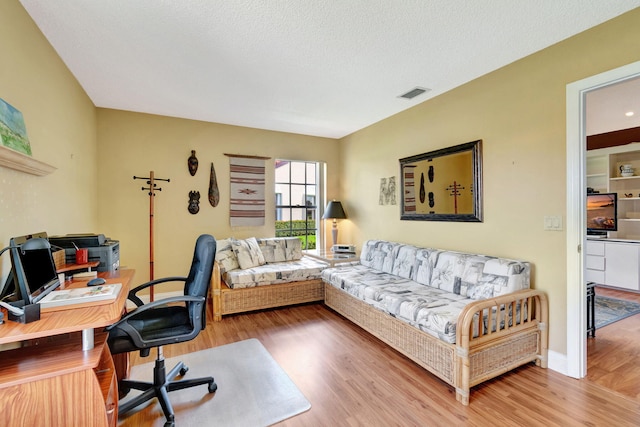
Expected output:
(576, 362)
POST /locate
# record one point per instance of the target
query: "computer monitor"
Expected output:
(33, 273)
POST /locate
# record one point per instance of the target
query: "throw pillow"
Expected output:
(280, 249)
(248, 253)
(225, 255)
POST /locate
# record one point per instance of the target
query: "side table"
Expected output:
(333, 258)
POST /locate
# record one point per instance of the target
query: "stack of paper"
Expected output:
(81, 295)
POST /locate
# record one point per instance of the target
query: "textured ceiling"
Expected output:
(324, 68)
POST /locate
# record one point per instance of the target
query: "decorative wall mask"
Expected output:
(192, 163)
(194, 202)
(422, 190)
(214, 193)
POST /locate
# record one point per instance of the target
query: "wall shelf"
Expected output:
(21, 162)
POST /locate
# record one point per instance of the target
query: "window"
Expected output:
(298, 192)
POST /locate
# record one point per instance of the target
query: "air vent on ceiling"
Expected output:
(414, 92)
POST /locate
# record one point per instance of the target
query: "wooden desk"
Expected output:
(51, 379)
(72, 318)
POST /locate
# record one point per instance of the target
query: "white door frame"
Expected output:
(576, 200)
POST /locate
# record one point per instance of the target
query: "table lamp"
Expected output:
(334, 211)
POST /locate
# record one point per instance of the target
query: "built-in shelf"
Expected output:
(21, 162)
(623, 178)
(604, 167)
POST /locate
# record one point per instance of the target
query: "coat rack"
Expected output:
(152, 188)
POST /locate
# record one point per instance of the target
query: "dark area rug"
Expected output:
(609, 310)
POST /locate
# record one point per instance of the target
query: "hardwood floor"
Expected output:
(613, 356)
(353, 379)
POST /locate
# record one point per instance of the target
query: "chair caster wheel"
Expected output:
(184, 370)
(213, 387)
(171, 421)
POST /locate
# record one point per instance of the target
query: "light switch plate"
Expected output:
(553, 223)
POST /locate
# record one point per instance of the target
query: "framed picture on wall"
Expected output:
(13, 132)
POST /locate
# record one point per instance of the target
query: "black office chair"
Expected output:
(165, 322)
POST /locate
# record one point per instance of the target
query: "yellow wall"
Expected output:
(135, 144)
(61, 125)
(519, 113)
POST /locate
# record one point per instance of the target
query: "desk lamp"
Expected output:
(335, 212)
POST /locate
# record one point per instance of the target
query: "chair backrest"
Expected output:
(199, 278)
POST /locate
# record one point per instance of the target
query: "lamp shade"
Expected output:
(334, 211)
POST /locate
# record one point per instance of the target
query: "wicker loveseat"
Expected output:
(465, 318)
(255, 274)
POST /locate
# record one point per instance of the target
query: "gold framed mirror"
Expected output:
(443, 185)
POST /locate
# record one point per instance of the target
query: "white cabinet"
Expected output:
(595, 263)
(622, 265)
(613, 263)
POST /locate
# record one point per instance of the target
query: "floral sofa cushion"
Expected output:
(379, 254)
(476, 276)
(280, 249)
(479, 276)
(425, 287)
(248, 253)
(306, 268)
(429, 309)
(225, 256)
(415, 263)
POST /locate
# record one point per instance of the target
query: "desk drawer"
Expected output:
(595, 262)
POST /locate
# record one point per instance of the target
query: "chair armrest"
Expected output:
(132, 296)
(154, 304)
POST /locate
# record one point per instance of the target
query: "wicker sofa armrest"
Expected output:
(216, 286)
(510, 330)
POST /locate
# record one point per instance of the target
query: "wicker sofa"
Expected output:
(465, 318)
(255, 274)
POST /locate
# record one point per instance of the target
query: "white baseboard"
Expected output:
(558, 362)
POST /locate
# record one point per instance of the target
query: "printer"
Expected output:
(101, 249)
